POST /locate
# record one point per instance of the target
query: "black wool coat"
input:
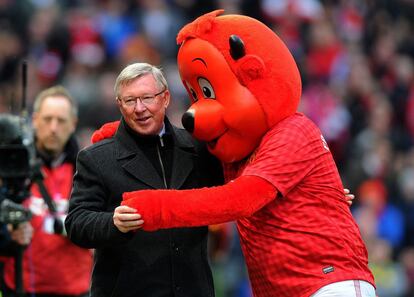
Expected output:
(171, 262)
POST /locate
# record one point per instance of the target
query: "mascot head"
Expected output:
(242, 80)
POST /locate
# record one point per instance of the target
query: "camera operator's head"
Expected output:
(54, 120)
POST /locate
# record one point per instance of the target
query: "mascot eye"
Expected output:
(207, 89)
(191, 90)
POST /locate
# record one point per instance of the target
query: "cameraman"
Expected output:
(21, 235)
(52, 265)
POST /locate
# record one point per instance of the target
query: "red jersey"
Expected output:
(305, 238)
(51, 263)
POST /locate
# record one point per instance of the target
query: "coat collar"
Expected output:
(136, 163)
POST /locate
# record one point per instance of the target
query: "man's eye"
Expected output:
(147, 98)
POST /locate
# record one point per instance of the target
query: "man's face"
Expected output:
(53, 124)
(144, 118)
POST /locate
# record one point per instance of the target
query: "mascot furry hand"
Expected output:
(283, 188)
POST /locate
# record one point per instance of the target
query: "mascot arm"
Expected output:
(106, 131)
(162, 209)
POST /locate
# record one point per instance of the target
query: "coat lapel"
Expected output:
(142, 169)
(134, 161)
(182, 166)
(183, 158)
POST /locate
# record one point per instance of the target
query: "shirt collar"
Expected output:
(162, 132)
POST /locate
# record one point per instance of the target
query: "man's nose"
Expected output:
(54, 124)
(188, 120)
(139, 106)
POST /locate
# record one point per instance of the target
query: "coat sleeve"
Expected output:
(89, 224)
(162, 209)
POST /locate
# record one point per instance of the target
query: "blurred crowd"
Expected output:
(356, 58)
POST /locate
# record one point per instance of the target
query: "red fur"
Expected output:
(251, 67)
(278, 90)
(106, 131)
(177, 208)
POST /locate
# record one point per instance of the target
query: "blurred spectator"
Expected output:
(85, 40)
(390, 277)
(160, 22)
(359, 87)
(387, 220)
(115, 24)
(407, 261)
(410, 113)
(138, 47)
(229, 272)
(324, 49)
(371, 149)
(325, 108)
(405, 183)
(48, 45)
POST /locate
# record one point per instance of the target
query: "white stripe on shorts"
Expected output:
(351, 288)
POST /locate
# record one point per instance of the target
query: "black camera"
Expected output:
(17, 160)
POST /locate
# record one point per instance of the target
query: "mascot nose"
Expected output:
(188, 120)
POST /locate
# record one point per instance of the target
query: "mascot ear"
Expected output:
(249, 67)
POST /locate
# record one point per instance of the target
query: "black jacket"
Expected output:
(170, 262)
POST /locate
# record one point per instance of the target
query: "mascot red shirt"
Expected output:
(283, 188)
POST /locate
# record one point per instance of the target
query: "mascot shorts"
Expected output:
(351, 288)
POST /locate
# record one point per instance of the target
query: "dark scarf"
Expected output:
(68, 155)
(151, 144)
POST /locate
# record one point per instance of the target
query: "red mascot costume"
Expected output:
(283, 188)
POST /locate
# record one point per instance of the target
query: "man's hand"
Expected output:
(22, 234)
(348, 196)
(127, 219)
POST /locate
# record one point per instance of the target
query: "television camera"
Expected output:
(19, 167)
(17, 162)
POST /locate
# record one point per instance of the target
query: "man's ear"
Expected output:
(118, 102)
(167, 98)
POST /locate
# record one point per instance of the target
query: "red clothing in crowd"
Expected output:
(51, 263)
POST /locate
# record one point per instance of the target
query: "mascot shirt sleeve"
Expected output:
(289, 152)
